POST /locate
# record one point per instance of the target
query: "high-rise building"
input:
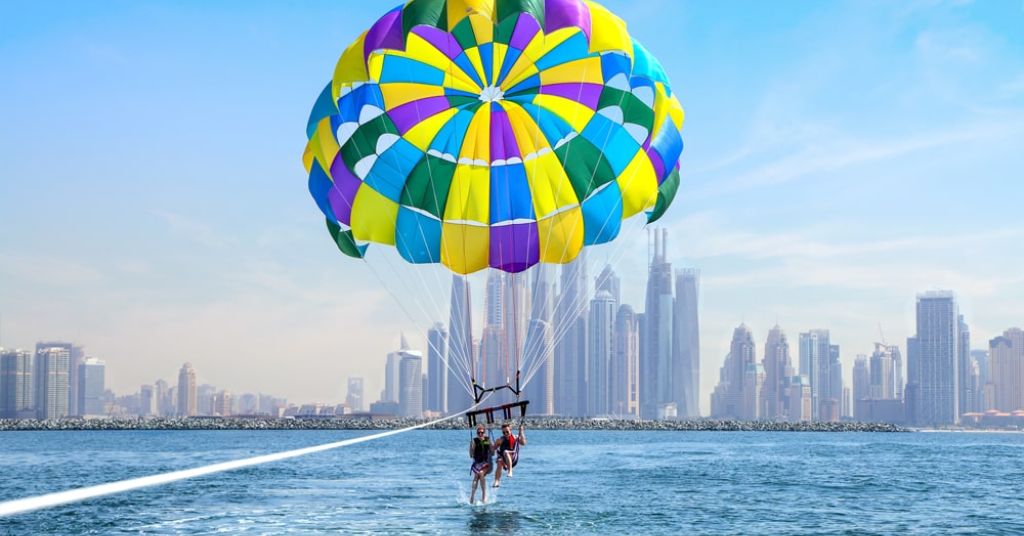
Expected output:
(391, 372)
(204, 399)
(354, 394)
(798, 399)
(147, 401)
(220, 403)
(831, 395)
(410, 385)
(967, 391)
(753, 385)
(625, 371)
(656, 359)
(609, 282)
(729, 400)
(980, 358)
(778, 369)
(515, 319)
(601, 348)
(437, 369)
(187, 395)
(16, 387)
(571, 349)
(686, 342)
(1006, 363)
(91, 388)
(884, 377)
(937, 355)
(165, 403)
(815, 361)
(538, 356)
(861, 381)
(460, 345)
(50, 372)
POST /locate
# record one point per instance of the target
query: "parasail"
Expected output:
(492, 134)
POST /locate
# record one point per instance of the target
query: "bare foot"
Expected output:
(497, 484)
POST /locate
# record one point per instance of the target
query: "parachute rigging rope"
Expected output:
(28, 504)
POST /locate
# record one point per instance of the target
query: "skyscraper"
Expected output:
(609, 282)
(815, 359)
(187, 402)
(410, 385)
(778, 368)
(91, 388)
(16, 386)
(571, 350)
(656, 361)
(538, 356)
(515, 319)
(391, 372)
(601, 349)
(686, 342)
(354, 395)
(831, 395)
(883, 373)
(938, 354)
(1006, 362)
(437, 369)
(460, 344)
(50, 372)
(967, 389)
(738, 372)
(861, 382)
(164, 400)
(147, 401)
(625, 372)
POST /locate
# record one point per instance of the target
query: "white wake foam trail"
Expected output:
(28, 504)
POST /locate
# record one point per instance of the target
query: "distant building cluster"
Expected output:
(579, 351)
(946, 382)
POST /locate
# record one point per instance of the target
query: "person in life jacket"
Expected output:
(480, 449)
(508, 451)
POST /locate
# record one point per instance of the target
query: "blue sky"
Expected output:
(840, 157)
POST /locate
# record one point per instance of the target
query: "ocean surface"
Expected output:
(566, 483)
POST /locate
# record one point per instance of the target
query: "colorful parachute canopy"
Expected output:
(492, 133)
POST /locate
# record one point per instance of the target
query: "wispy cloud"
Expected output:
(191, 229)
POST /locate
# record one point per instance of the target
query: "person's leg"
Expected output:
(477, 479)
(497, 474)
(483, 487)
(508, 462)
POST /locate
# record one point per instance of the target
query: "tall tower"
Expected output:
(410, 384)
(729, 400)
(861, 384)
(354, 395)
(437, 370)
(686, 342)
(656, 373)
(966, 388)
(51, 372)
(571, 350)
(938, 342)
(538, 355)
(91, 387)
(625, 370)
(1006, 370)
(601, 348)
(187, 405)
(16, 387)
(460, 344)
(778, 369)
(815, 359)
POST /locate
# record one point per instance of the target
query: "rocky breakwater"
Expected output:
(391, 423)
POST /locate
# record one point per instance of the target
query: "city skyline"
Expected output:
(813, 195)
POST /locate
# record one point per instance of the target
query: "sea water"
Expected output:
(587, 482)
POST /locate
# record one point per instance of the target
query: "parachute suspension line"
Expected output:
(49, 500)
(613, 258)
(579, 307)
(448, 366)
(401, 305)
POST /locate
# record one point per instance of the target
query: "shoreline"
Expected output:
(389, 423)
